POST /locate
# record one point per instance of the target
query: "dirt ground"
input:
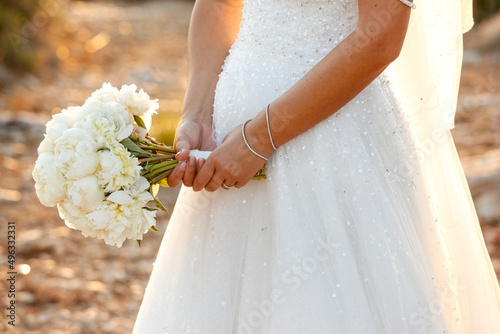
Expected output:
(78, 285)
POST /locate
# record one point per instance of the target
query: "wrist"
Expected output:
(258, 136)
(198, 109)
(197, 115)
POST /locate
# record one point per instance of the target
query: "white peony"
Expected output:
(45, 146)
(85, 193)
(50, 184)
(100, 128)
(117, 168)
(61, 122)
(107, 93)
(74, 217)
(81, 161)
(123, 105)
(140, 132)
(111, 110)
(137, 103)
(122, 216)
(75, 154)
(138, 192)
(104, 128)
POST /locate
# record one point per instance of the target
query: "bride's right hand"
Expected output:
(189, 135)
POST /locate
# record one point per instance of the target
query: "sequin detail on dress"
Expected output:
(340, 237)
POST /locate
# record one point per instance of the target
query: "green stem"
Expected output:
(157, 158)
(157, 149)
(165, 149)
(163, 164)
(153, 145)
(148, 145)
(157, 171)
(153, 140)
(161, 176)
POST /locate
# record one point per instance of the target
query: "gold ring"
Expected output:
(225, 186)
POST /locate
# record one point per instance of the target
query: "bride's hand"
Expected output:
(189, 135)
(232, 163)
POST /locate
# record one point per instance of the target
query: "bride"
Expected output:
(364, 223)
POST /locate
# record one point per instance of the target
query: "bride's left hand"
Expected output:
(232, 163)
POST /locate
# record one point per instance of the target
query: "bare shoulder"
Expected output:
(384, 22)
(231, 3)
(382, 9)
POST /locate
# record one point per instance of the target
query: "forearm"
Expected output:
(328, 86)
(213, 29)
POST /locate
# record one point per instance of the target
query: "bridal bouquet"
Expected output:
(98, 164)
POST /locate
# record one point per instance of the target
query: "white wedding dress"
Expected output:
(346, 234)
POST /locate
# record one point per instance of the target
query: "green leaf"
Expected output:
(139, 121)
(163, 183)
(154, 189)
(152, 228)
(131, 146)
(158, 204)
(139, 242)
(104, 148)
(149, 209)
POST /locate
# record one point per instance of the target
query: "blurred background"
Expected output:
(55, 53)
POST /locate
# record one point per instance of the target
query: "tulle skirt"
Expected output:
(347, 234)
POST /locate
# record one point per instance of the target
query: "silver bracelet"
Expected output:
(409, 4)
(269, 128)
(246, 142)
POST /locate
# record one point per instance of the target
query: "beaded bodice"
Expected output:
(296, 31)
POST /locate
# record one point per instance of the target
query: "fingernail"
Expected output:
(182, 166)
(201, 162)
(177, 154)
